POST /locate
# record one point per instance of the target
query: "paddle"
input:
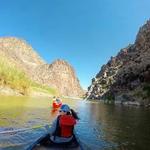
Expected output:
(40, 139)
(25, 129)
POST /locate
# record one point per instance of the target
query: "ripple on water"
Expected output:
(19, 140)
(102, 127)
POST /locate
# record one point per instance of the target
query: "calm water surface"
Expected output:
(101, 127)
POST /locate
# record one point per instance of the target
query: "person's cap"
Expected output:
(65, 108)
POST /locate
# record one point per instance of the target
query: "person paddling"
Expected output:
(62, 127)
(57, 102)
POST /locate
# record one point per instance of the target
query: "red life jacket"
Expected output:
(65, 126)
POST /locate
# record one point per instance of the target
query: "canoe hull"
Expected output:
(45, 144)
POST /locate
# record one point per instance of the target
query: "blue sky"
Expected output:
(86, 33)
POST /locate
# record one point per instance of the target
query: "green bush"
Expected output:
(146, 88)
(13, 77)
(43, 88)
(109, 97)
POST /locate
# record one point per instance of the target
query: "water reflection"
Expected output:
(128, 127)
(101, 126)
(90, 127)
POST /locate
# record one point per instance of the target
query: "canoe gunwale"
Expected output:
(72, 145)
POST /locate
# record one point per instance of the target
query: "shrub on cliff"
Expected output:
(12, 77)
(146, 88)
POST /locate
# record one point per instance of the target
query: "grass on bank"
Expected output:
(43, 88)
(11, 76)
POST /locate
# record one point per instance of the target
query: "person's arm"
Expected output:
(53, 127)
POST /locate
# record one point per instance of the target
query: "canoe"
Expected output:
(44, 143)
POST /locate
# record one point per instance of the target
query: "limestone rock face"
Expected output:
(20, 53)
(59, 74)
(126, 77)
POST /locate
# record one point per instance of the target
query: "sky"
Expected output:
(85, 33)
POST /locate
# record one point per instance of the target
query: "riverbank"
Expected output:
(34, 92)
(71, 97)
(7, 91)
(119, 103)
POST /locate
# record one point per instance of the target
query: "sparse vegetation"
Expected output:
(16, 79)
(138, 93)
(43, 88)
(12, 77)
(109, 97)
(146, 88)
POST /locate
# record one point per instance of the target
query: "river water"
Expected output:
(101, 126)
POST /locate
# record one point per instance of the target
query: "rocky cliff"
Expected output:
(126, 77)
(59, 75)
(20, 53)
